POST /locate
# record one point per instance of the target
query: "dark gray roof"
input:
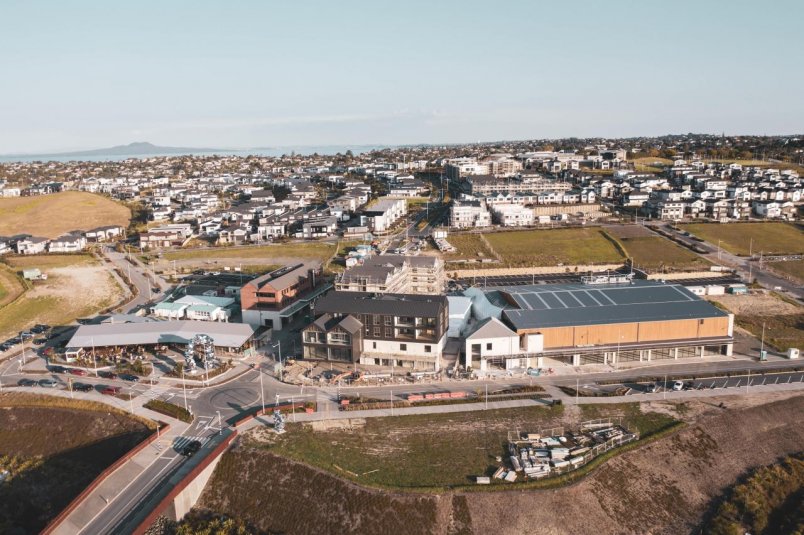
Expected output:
(387, 304)
(557, 305)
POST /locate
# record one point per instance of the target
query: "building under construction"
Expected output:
(399, 274)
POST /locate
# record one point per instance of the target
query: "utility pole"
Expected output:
(184, 388)
(762, 343)
(487, 396)
(577, 387)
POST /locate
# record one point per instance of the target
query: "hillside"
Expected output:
(51, 216)
(664, 487)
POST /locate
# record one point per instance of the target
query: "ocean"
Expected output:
(278, 151)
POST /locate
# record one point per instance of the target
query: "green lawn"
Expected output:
(553, 247)
(653, 252)
(736, 237)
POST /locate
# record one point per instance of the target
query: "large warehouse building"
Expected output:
(593, 323)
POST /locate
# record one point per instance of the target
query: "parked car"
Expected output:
(26, 382)
(48, 383)
(78, 371)
(57, 369)
(110, 390)
(191, 448)
(652, 388)
(82, 387)
(678, 386)
(129, 377)
(40, 341)
(107, 375)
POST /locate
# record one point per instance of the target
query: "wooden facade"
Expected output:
(632, 333)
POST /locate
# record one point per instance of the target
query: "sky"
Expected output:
(245, 74)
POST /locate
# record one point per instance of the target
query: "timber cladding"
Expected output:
(631, 333)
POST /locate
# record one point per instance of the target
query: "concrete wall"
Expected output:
(188, 497)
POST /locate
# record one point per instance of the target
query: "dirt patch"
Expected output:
(757, 304)
(664, 487)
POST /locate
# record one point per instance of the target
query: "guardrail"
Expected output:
(78, 500)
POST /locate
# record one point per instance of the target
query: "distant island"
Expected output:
(132, 149)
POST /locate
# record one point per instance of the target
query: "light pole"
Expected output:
(279, 358)
(262, 392)
(762, 342)
(184, 388)
(718, 250)
(220, 428)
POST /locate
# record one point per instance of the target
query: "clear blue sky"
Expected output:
(83, 74)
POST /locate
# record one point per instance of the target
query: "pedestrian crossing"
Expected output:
(180, 442)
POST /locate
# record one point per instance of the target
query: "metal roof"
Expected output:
(385, 304)
(557, 305)
(160, 332)
(491, 328)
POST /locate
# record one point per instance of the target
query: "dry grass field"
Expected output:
(653, 252)
(77, 286)
(10, 286)
(553, 247)
(469, 247)
(736, 238)
(783, 319)
(793, 268)
(264, 255)
(52, 452)
(665, 486)
(51, 216)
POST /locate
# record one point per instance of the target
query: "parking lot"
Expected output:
(569, 278)
(672, 384)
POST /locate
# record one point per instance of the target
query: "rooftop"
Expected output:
(384, 304)
(557, 305)
(160, 332)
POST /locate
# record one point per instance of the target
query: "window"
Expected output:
(403, 347)
(388, 332)
(428, 349)
(373, 345)
(388, 320)
(376, 331)
(488, 346)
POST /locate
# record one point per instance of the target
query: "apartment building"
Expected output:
(166, 236)
(512, 215)
(403, 274)
(469, 214)
(457, 169)
(404, 330)
(382, 215)
(277, 298)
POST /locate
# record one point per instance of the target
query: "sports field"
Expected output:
(469, 246)
(553, 247)
(737, 238)
(51, 216)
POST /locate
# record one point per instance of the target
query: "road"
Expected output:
(745, 266)
(137, 273)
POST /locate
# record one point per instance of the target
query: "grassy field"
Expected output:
(53, 451)
(649, 164)
(653, 252)
(316, 250)
(469, 246)
(435, 450)
(77, 286)
(794, 268)
(553, 247)
(53, 215)
(10, 286)
(781, 331)
(736, 237)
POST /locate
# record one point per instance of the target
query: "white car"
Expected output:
(678, 386)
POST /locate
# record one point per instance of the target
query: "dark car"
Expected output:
(129, 377)
(58, 369)
(191, 448)
(110, 390)
(40, 341)
(82, 387)
(108, 375)
(26, 382)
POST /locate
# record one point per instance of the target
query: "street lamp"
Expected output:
(278, 345)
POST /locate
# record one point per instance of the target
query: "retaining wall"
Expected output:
(534, 270)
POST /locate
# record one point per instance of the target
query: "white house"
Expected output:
(493, 343)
